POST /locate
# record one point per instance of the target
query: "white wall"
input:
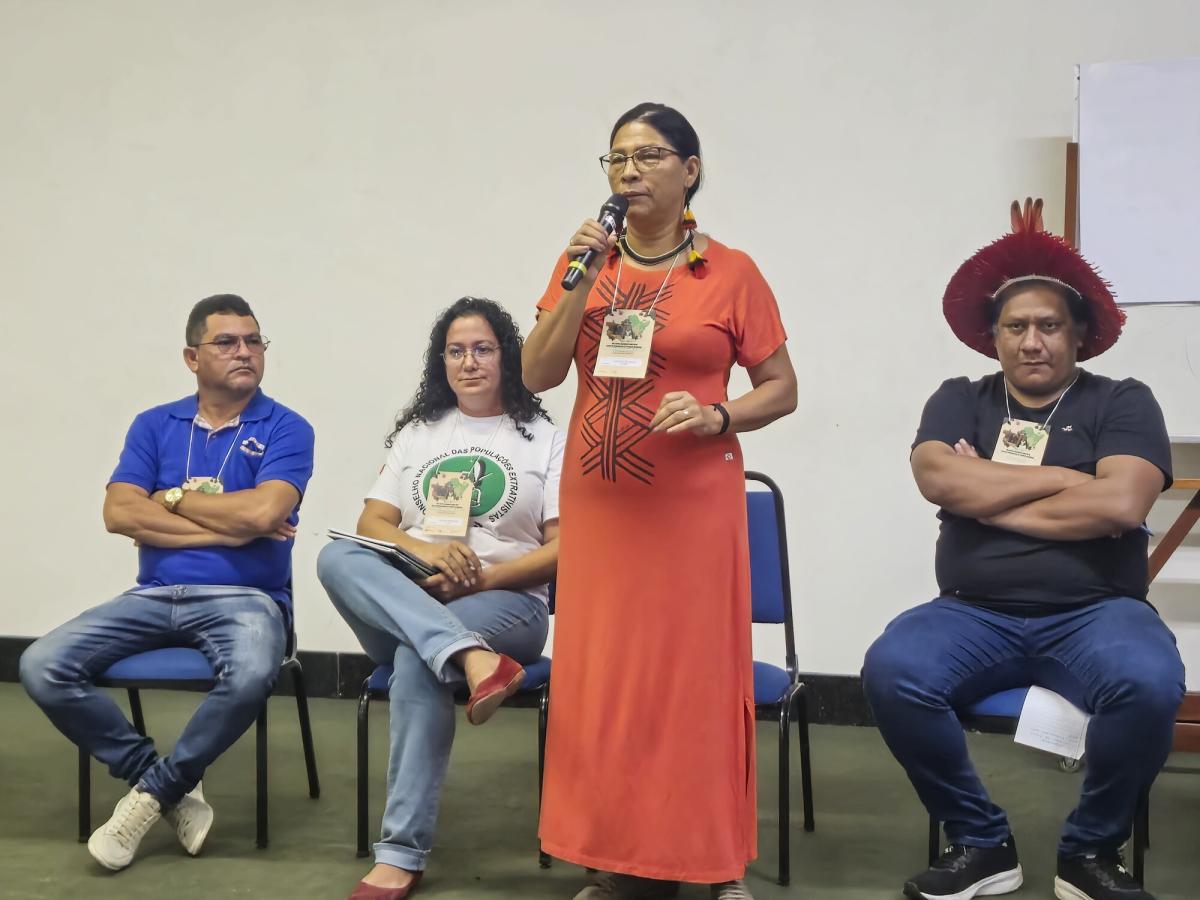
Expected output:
(353, 168)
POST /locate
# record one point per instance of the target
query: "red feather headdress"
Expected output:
(1028, 254)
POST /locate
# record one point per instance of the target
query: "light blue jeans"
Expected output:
(240, 630)
(398, 623)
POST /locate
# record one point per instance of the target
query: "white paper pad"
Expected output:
(1050, 723)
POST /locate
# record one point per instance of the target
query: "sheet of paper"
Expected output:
(1050, 723)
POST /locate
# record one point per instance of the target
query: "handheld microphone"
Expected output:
(612, 214)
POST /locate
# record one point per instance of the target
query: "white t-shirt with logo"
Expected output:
(516, 480)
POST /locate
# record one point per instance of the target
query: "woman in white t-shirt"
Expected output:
(471, 487)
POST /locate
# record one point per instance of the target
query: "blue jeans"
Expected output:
(240, 630)
(397, 623)
(1115, 659)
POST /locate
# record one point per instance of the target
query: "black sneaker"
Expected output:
(1099, 877)
(964, 872)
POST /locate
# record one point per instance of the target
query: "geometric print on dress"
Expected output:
(618, 419)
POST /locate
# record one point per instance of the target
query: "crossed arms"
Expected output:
(201, 520)
(1048, 502)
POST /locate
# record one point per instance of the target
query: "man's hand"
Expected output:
(962, 448)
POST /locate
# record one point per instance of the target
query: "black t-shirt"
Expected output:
(1098, 417)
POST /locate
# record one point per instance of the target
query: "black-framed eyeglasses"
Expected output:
(482, 353)
(227, 344)
(644, 159)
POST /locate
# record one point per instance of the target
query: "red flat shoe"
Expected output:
(494, 690)
(364, 891)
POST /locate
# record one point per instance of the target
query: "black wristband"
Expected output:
(724, 417)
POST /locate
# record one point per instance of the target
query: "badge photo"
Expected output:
(448, 504)
(625, 344)
(1021, 443)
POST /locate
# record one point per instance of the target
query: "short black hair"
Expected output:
(672, 125)
(214, 305)
(1079, 309)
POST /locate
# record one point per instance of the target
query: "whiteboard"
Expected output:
(1138, 127)
(1139, 177)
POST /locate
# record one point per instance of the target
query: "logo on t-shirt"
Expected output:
(493, 481)
(252, 446)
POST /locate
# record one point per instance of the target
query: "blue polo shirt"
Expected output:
(267, 442)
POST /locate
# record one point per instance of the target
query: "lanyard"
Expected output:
(1045, 426)
(458, 430)
(617, 285)
(187, 476)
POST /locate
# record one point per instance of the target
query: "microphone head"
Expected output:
(616, 206)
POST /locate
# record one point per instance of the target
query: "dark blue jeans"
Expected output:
(1116, 659)
(240, 630)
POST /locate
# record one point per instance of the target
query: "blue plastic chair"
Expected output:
(535, 688)
(186, 669)
(998, 714)
(778, 691)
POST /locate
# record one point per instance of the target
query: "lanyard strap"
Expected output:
(612, 308)
(458, 429)
(1045, 426)
(187, 469)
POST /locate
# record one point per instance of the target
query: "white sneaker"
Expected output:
(114, 843)
(731, 890)
(191, 818)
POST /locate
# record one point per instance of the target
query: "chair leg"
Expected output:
(935, 839)
(1146, 821)
(806, 783)
(785, 809)
(306, 738)
(364, 702)
(85, 796)
(260, 749)
(543, 719)
(1141, 827)
(135, 711)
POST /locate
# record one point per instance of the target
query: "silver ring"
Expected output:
(685, 413)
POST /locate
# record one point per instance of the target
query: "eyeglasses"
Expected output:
(482, 353)
(227, 344)
(644, 159)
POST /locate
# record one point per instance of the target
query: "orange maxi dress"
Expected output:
(650, 752)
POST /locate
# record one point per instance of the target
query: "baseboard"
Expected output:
(832, 699)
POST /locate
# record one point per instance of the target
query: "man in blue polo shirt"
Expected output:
(208, 488)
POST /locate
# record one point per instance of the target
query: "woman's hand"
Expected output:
(680, 412)
(591, 236)
(453, 559)
(439, 587)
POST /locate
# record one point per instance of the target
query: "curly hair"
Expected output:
(434, 395)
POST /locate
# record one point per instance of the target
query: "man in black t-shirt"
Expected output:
(1044, 475)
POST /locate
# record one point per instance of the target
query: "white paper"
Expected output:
(1050, 723)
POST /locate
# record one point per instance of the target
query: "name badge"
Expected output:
(625, 344)
(203, 485)
(1021, 443)
(448, 504)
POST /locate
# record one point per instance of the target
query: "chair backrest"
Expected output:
(770, 576)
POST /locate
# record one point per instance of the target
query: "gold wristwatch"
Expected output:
(172, 497)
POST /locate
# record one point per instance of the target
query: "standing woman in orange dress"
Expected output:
(650, 756)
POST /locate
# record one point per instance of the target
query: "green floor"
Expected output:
(870, 830)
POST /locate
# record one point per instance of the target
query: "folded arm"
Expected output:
(261, 511)
(976, 488)
(128, 510)
(1117, 500)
